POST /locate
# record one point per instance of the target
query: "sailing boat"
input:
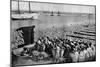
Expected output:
(58, 13)
(52, 14)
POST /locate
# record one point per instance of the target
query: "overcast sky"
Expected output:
(35, 6)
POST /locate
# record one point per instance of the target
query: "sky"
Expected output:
(36, 6)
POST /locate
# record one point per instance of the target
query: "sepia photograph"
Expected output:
(44, 33)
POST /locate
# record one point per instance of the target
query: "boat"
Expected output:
(31, 18)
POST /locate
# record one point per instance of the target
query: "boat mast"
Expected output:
(18, 7)
(29, 7)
